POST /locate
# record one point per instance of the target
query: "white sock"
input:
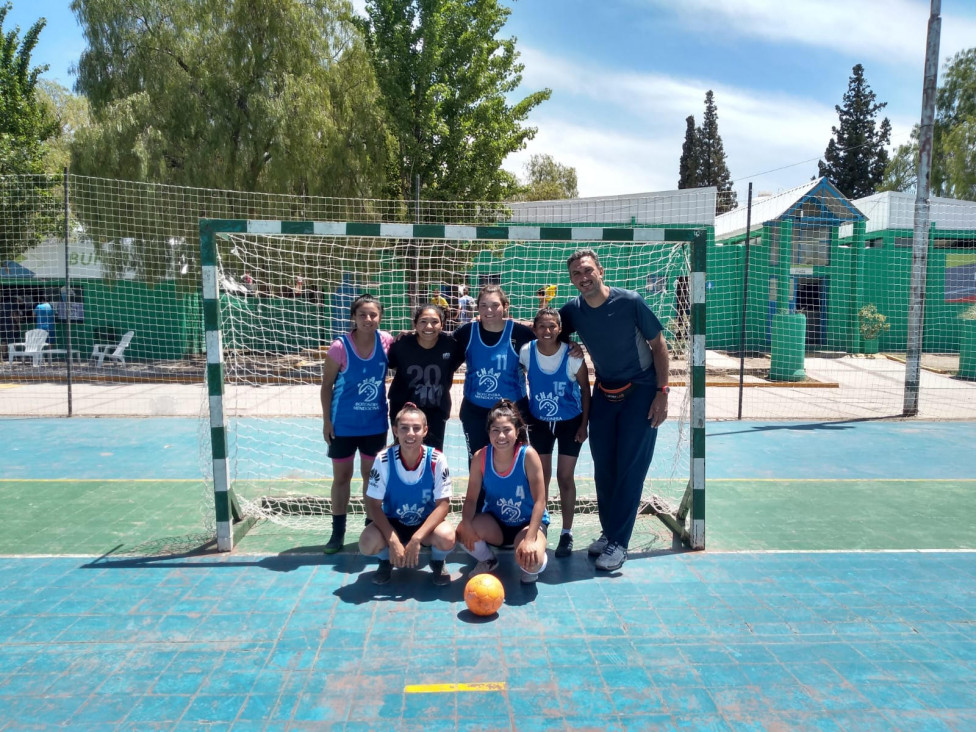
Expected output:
(566, 531)
(482, 552)
(545, 563)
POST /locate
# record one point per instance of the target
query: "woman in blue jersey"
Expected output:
(424, 363)
(491, 351)
(559, 406)
(354, 405)
(409, 496)
(505, 505)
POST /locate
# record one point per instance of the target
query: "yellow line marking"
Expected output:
(448, 688)
(9, 386)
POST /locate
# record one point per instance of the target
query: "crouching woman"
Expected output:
(409, 497)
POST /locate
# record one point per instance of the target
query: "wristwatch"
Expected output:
(664, 389)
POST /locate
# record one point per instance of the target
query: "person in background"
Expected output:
(44, 319)
(465, 308)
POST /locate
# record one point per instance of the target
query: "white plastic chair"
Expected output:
(112, 351)
(32, 347)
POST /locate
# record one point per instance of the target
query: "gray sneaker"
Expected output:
(598, 546)
(528, 578)
(613, 557)
(484, 567)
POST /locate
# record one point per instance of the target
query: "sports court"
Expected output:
(836, 592)
(836, 589)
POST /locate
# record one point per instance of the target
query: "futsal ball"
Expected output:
(484, 594)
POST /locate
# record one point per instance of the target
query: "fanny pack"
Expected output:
(615, 394)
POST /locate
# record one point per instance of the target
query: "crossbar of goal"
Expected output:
(230, 521)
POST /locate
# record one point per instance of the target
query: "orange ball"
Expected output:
(484, 594)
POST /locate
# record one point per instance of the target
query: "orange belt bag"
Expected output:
(615, 394)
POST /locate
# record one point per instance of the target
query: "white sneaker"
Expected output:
(613, 557)
(484, 567)
(528, 578)
(597, 547)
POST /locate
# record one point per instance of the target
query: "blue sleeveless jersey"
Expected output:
(409, 503)
(359, 394)
(553, 397)
(508, 498)
(493, 371)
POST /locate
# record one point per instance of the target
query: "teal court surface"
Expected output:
(837, 591)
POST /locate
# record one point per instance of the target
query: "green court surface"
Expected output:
(93, 517)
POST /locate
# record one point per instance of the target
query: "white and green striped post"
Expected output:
(699, 248)
(223, 496)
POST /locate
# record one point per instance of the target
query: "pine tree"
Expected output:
(855, 157)
(689, 164)
(713, 170)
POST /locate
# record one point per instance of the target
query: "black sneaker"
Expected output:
(383, 572)
(565, 547)
(437, 573)
(335, 543)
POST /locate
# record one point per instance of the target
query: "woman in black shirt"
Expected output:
(425, 362)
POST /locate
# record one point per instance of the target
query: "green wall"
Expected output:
(167, 319)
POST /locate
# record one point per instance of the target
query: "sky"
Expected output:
(625, 74)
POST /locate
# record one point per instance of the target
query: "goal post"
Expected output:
(259, 331)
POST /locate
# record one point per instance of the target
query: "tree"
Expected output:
(856, 157)
(688, 167)
(703, 157)
(251, 95)
(71, 114)
(547, 180)
(26, 125)
(445, 78)
(239, 95)
(954, 137)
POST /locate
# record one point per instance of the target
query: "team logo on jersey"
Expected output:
(548, 404)
(370, 388)
(410, 514)
(487, 380)
(510, 510)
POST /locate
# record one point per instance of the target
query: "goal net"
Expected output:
(283, 291)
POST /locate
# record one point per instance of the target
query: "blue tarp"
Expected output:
(15, 271)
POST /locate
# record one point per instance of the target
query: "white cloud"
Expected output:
(892, 31)
(629, 139)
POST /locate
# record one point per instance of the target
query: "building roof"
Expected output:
(689, 207)
(896, 210)
(819, 201)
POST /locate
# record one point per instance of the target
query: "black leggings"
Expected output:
(474, 422)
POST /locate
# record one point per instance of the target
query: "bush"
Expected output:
(873, 323)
